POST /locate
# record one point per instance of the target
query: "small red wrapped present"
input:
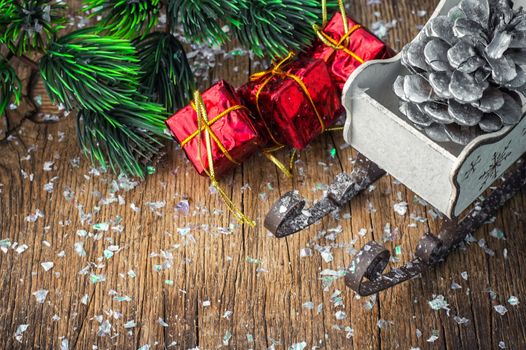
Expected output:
(233, 137)
(344, 51)
(293, 102)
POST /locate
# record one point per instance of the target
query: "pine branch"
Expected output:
(89, 71)
(166, 75)
(275, 27)
(10, 85)
(30, 24)
(125, 139)
(7, 13)
(125, 18)
(202, 19)
(99, 76)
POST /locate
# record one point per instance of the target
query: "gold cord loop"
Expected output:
(203, 126)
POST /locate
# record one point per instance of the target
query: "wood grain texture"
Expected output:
(195, 279)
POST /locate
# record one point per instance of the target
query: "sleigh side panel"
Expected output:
(448, 176)
(479, 166)
(390, 141)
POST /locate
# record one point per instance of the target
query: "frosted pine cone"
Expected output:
(466, 71)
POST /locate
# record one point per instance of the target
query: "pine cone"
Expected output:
(466, 71)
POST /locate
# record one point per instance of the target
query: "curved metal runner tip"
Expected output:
(365, 273)
(288, 216)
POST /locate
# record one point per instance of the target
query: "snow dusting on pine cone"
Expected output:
(466, 71)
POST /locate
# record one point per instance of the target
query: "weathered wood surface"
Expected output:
(196, 272)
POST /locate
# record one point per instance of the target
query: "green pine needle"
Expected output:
(29, 24)
(201, 19)
(275, 27)
(125, 18)
(89, 71)
(125, 139)
(166, 75)
(7, 13)
(10, 85)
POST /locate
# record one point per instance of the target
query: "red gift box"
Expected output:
(233, 135)
(356, 46)
(293, 102)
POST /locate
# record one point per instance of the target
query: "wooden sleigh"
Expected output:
(450, 177)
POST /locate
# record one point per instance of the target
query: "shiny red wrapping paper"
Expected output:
(285, 109)
(363, 43)
(235, 130)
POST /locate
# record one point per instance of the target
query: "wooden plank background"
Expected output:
(188, 280)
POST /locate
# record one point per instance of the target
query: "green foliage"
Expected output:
(202, 19)
(125, 18)
(7, 11)
(29, 24)
(275, 27)
(101, 76)
(166, 75)
(10, 85)
(90, 71)
(125, 138)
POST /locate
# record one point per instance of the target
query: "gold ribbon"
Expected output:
(325, 18)
(204, 126)
(268, 153)
(342, 43)
(267, 76)
(344, 40)
(277, 71)
(212, 134)
(338, 45)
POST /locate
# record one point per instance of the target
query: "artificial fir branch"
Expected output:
(125, 18)
(99, 76)
(7, 12)
(90, 71)
(275, 27)
(267, 27)
(29, 24)
(10, 85)
(125, 138)
(166, 75)
(203, 20)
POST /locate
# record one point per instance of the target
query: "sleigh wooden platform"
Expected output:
(448, 176)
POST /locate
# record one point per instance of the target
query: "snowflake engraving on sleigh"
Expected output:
(492, 171)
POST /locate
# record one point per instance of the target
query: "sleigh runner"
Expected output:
(448, 175)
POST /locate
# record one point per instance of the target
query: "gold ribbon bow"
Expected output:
(204, 126)
(267, 76)
(344, 40)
